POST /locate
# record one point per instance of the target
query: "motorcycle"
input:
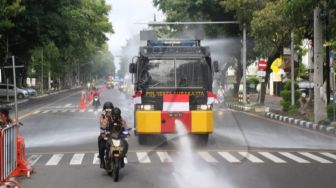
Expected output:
(114, 157)
(96, 101)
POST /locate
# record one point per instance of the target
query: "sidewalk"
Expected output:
(273, 102)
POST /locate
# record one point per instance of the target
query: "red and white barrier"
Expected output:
(13, 160)
(8, 152)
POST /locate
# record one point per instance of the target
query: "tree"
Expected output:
(72, 31)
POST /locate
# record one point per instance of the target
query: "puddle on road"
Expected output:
(188, 170)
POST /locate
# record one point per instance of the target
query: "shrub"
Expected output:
(286, 98)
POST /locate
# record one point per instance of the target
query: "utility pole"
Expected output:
(42, 73)
(244, 63)
(292, 70)
(327, 54)
(319, 105)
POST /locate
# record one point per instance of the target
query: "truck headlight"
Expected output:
(146, 107)
(204, 107)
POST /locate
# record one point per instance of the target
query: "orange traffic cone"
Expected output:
(83, 104)
(23, 167)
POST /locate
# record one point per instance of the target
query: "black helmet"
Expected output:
(4, 109)
(116, 112)
(107, 105)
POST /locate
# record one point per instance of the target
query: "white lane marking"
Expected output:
(330, 155)
(82, 110)
(207, 157)
(143, 157)
(77, 159)
(90, 110)
(67, 105)
(73, 110)
(54, 160)
(65, 110)
(164, 157)
(315, 157)
(36, 112)
(54, 111)
(125, 160)
(294, 157)
(272, 157)
(33, 159)
(100, 110)
(229, 157)
(46, 111)
(251, 157)
(95, 159)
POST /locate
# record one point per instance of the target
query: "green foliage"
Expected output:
(69, 32)
(286, 98)
(330, 111)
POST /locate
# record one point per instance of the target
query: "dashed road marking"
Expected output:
(251, 157)
(272, 157)
(230, 158)
(330, 155)
(95, 159)
(164, 157)
(294, 157)
(143, 157)
(77, 159)
(315, 157)
(33, 159)
(207, 157)
(54, 160)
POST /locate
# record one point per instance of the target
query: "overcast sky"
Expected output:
(124, 15)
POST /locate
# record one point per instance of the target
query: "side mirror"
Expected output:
(132, 68)
(215, 66)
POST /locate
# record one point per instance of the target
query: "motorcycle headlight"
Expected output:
(204, 107)
(115, 143)
(146, 107)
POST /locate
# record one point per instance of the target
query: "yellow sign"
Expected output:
(276, 65)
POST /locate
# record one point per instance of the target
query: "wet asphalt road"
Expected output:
(244, 151)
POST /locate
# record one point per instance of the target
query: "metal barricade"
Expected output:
(8, 153)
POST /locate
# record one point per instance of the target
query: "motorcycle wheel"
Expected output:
(115, 172)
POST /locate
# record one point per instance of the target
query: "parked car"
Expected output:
(31, 91)
(21, 93)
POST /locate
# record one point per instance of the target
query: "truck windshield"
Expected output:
(175, 73)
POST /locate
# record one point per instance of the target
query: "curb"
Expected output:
(238, 107)
(302, 123)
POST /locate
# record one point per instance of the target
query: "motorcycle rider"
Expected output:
(116, 118)
(5, 120)
(95, 93)
(105, 119)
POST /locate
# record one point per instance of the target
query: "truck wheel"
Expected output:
(142, 139)
(202, 139)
